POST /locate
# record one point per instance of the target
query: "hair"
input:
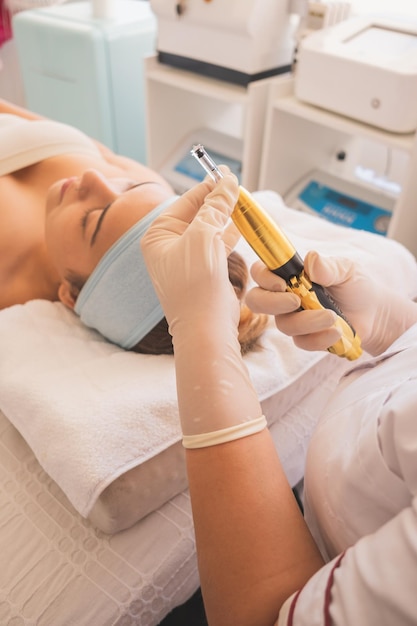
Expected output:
(251, 325)
(159, 341)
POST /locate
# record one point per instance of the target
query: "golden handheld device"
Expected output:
(280, 256)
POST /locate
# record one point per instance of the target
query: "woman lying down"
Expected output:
(71, 219)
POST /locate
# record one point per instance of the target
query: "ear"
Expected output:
(68, 294)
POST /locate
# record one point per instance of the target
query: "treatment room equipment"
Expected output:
(212, 102)
(351, 159)
(235, 41)
(343, 201)
(95, 519)
(82, 64)
(364, 68)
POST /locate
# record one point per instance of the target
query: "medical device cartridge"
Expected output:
(279, 255)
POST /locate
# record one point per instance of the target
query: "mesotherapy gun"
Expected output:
(279, 255)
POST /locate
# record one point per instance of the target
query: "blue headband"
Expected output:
(118, 298)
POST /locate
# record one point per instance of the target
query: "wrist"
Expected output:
(213, 385)
(202, 333)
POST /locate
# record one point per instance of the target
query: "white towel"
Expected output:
(91, 411)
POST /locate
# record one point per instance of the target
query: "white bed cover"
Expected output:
(59, 570)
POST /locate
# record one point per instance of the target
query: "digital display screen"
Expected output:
(347, 201)
(382, 42)
(344, 209)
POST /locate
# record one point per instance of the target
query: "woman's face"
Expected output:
(86, 215)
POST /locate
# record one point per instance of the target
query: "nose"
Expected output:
(94, 182)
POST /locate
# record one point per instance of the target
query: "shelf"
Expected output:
(300, 138)
(342, 124)
(194, 83)
(180, 102)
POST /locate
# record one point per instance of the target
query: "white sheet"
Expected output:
(91, 411)
(57, 569)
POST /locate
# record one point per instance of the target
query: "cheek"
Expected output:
(56, 247)
(54, 229)
(53, 196)
(61, 242)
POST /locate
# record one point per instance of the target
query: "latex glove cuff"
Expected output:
(224, 435)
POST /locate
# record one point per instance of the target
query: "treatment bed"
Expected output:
(95, 518)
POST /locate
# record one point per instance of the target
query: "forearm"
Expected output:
(253, 546)
(254, 549)
(213, 385)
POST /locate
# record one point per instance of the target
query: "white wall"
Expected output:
(401, 8)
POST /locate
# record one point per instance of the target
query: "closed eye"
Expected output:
(98, 225)
(85, 216)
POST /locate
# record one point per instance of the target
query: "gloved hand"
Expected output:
(186, 251)
(378, 314)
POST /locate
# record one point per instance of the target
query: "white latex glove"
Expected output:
(378, 314)
(186, 251)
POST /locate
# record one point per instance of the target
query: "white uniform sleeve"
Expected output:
(374, 581)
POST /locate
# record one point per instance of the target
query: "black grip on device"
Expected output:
(293, 269)
(327, 302)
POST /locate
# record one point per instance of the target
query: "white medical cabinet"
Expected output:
(303, 141)
(238, 41)
(184, 108)
(88, 71)
(364, 68)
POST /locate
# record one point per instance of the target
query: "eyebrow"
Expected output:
(103, 214)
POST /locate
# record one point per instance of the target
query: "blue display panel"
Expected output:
(343, 209)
